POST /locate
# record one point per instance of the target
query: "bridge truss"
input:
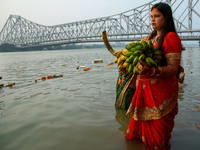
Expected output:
(127, 26)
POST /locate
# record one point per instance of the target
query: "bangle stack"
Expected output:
(160, 71)
(153, 71)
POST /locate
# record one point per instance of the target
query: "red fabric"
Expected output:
(154, 104)
(154, 133)
(171, 43)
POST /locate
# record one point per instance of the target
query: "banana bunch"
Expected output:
(120, 60)
(134, 52)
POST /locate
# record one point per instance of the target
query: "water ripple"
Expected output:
(79, 108)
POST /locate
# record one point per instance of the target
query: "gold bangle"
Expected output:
(153, 72)
(160, 71)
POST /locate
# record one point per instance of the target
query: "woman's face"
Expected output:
(157, 20)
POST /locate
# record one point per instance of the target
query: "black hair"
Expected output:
(169, 26)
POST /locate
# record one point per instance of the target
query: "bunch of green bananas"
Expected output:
(134, 52)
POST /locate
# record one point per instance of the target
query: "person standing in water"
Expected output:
(154, 104)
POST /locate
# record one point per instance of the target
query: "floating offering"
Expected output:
(98, 61)
(80, 67)
(109, 64)
(57, 76)
(1, 85)
(86, 69)
(43, 78)
(83, 67)
(49, 77)
(10, 84)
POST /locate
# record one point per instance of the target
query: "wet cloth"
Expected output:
(154, 104)
(124, 93)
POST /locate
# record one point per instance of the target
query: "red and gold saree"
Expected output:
(154, 104)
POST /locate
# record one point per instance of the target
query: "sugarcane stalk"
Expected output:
(107, 44)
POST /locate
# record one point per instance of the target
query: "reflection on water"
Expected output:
(77, 111)
(198, 126)
(123, 120)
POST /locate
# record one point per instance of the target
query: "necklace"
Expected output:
(155, 39)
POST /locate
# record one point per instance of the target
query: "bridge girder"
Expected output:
(126, 26)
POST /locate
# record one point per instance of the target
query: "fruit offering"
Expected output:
(134, 52)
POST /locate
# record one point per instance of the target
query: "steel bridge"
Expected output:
(126, 26)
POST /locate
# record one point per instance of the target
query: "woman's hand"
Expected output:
(144, 70)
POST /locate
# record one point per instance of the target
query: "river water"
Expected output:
(76, 112)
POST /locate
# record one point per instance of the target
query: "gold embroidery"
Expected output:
(173, 56)
(153, 81)
(155, 112)
(118, 103)
(128, 131)
(144, 38)
(155, 148)
(143, 86)
(143, 139)
(145, 79)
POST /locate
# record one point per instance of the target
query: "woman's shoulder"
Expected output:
(172, 35)
(172, 43)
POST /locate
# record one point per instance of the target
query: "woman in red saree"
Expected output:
(154, 104)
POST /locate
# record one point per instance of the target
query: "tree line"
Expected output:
(6, 47)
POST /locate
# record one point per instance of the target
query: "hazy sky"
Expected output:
(53, 12)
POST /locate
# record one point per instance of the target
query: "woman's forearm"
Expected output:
(167, 71)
